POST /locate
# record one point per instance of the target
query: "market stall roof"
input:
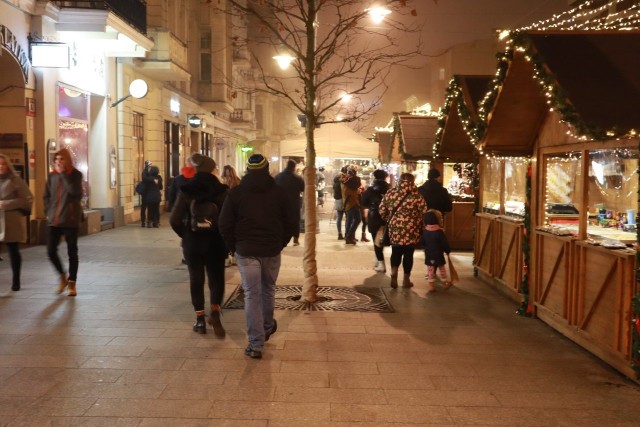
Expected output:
(418, 136)
(335, 140)
(598, 72)
(517, 113)
(455, 143)
(385, 139)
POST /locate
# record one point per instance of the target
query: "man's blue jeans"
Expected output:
(259, 275)
(353, 220)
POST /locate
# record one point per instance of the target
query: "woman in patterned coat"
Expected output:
(403, 208)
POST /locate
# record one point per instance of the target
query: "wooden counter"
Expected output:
(585, 292)
(459, 226)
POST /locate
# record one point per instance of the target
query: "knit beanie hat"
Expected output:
(433, 174)
(433, 217)
(257, 162)
(380, 174)
(203, 163)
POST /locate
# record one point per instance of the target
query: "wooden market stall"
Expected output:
(577, 238)
(456, 155)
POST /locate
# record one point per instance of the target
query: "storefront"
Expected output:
(559, 191)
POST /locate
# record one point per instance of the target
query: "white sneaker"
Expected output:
(380, 267)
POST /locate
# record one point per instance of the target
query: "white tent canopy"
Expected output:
(335, 140)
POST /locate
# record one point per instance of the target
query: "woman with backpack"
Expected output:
(194, 219)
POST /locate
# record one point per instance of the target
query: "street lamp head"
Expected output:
(284, 61)
(378, 14)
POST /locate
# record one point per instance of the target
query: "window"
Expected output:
(205, 55)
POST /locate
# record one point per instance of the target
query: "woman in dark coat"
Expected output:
(203, 250)
(371, 199)
(153, 186)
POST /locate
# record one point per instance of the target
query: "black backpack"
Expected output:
(204, 214)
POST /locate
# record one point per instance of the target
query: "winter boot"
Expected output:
(62, 284)
(394, 277)
(214, 321)
(431, 286)
(380, 267)
(364, 237)
(406, 281)
(71, 289)
(340, 236)
(200, 326)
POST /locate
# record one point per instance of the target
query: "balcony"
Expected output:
(134, 12)
(167, 60)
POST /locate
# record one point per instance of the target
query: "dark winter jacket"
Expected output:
(63, 199)
(435, 246)
(293, 185)
(436, 196)
(257, 218)
(203, 186)
(153, 185)
(371, 199)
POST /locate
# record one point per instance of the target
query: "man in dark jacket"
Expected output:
(257, 222)
(337, 200)
(63, 207)
(371, 199)
(436, 196)
(293, 185)
(203, 250)
(144, 178)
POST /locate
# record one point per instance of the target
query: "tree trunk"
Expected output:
(309, 264)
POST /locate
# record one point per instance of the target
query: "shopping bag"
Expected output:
(453, 274)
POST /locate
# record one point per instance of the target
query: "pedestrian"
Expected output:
(204, 250)
(435, 246)
(403, 209)
(186, 173)
(257, 221)
(16, 200)
(63, 207)
(320, 185)
(351, 201)
(230, 176)
(293, 184)
(371, 199)
(143, 194)
(363, 214)
(434, 194)
(153, 188)
(337, 200)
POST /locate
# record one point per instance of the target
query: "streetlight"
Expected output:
(284, 61)
(378, 14)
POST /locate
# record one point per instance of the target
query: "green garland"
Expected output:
(397, 131)
(525, 309)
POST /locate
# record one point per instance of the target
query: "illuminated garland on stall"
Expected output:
(525, 309)
(397, 131)
(635, 302)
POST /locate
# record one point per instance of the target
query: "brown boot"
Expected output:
(62, 284)
(214, 321)
(394, 277)
(71, 289)
(406, 281)
(364, 237)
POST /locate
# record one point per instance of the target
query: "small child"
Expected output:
(435, 246)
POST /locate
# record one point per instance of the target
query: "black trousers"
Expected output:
(205, 255)
(16, 261)
(154, 212)
(143, 210)
(71, 237)
(404, 255)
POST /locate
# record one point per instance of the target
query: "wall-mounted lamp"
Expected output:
(193, 120)
(137, 89)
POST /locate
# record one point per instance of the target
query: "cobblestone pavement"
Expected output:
(122, 353)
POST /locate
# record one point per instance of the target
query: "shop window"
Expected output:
(515, 185)
(611, 194)
(562, 189)
(457, 179)
(491, 174)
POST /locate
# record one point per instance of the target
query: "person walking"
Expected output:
(143, 194)
(230, 176)
(16, 200)
(204, 250)
(435, 195)
(257, 221)
(435, 246)
(337, 200)
(186, 173)
(63, 207)
(371, 199)
(153, 188)
(293, 184)
(351, 201)
(403, 209)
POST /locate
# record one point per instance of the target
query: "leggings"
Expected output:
(205, 258)
(402, 254)
(431, 273)
(71, 237)
(16, 261)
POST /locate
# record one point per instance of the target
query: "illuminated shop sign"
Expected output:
(51, 55)
(9, 42)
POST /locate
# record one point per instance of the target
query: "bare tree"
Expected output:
(337, 50)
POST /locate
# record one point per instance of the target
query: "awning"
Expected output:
(335, 140)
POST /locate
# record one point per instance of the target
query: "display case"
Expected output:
(491, 173)
(515, 184)
(562, 183)
(611, 194)
(458, 180)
